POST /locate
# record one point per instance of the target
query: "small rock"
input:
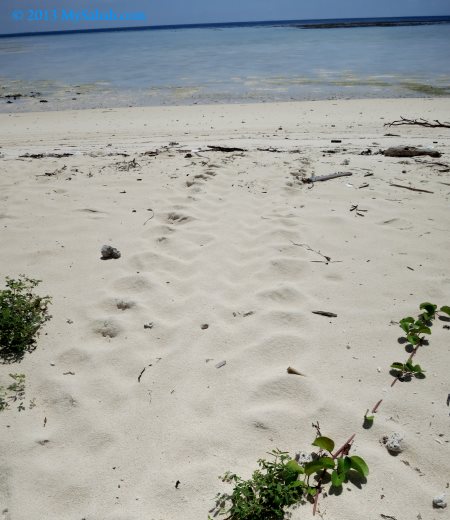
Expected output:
(393, 443)
(439, 502)
(109, 252)
(303, 457)
(204, 326)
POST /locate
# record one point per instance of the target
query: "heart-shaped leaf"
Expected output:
(358, 464)
(325, 443)
(344, 464)
(430, 308)
(319, 464)
(445, 309)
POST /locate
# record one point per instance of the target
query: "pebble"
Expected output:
(109, 252)
(440, 502)
(393, 442)
(303, 457)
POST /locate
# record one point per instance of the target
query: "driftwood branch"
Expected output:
(410, 188)
(419, 122)
(409, 151)
(225, 149)
(327, 177)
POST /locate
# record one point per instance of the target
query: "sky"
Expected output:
(18, 16)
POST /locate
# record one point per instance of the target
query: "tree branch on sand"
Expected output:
(419, 122)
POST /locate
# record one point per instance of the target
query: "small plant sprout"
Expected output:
(14, 393)
(285, 482)
(368, 420)
(405, 371)
(416, 330)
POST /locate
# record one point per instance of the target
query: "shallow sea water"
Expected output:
(223, 65)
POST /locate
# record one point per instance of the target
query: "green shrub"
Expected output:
(22, 314)
(285, 482)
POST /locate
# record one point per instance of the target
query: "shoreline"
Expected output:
(423, 91)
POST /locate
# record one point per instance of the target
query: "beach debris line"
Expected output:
(409, 151)
(419, 122)
(44, 155)
(410, 188)
(326, 314)
(327, 177)
(109, 252)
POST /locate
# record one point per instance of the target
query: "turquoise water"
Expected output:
(216, 65)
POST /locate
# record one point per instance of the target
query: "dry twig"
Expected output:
(419, 122)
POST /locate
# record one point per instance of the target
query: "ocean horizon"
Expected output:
(314, 23)
(238, 62)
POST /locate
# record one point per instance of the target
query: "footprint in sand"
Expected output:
(177, 218)
(107, 328)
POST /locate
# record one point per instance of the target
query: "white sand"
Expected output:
(112, 447)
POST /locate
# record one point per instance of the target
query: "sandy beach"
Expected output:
(224, 258)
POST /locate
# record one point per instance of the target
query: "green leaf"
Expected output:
(294, 466)
(344, 465)
(325, 443)
(430, 308)
(397, 366)
(413, 339)
(405, 324)
(312, 491)
(319, 464)
(337, 478)
(328, 462)
(445, 309)
(358, 464)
